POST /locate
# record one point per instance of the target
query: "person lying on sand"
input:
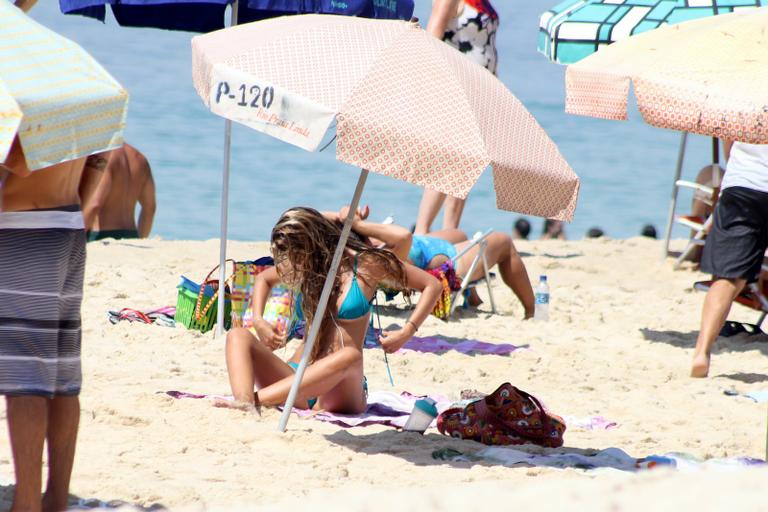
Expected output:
(302, 244)
(431, 251)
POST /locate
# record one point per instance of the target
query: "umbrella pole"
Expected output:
(323, 302)
(715, 162)
(673, 202)
(224, 207)
(223, 227)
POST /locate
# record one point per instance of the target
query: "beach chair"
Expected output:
(707, 194)
(700, 226)
(480, 239)
(754, 295)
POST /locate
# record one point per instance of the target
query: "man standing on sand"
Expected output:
(736, 244)
(42, 261)
(110, 196)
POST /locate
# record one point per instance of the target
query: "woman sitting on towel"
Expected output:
(431, 251)
(303, 242)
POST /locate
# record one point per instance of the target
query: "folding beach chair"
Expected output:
(754, 295)
(699, 225)
(480, 239)
(705, 193)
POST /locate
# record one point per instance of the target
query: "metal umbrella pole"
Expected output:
(224, 208)
(321, 306)
(673, 202)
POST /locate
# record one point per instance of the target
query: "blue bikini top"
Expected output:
(355, 304)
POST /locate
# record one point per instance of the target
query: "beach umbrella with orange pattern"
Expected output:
(708, 76)
(404, 104)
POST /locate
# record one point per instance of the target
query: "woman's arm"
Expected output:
(430, 289)
(396, 238)
(271, 336)
(443, 11)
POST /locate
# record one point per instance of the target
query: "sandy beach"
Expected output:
(618, 345)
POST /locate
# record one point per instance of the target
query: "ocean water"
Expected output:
(626, 167)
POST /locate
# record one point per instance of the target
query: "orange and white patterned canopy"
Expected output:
(708, 76)
(405, 104)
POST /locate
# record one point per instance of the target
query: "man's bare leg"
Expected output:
(452, 214)
(63, 423)
(717, 304)
(27, 423)
(430, 205)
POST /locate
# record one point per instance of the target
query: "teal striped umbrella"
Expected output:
(59, 101)
(574, 29)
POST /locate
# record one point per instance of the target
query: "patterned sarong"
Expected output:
(42, 261)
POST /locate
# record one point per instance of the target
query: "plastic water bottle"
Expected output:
(424, 411)
(541, 312)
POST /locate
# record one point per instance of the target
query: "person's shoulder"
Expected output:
(138, 162)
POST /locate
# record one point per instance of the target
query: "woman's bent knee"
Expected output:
(240, 336)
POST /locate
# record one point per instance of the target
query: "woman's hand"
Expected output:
(273, 337)
(360, 214)
(392, 341)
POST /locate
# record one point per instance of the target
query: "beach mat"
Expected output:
(440, 345)
(609, 458)
(391, 409)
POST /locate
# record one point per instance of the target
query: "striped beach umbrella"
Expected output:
(574, 29)
(67, 105)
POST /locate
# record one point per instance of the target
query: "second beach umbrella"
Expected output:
(405, 105)
(706, 76)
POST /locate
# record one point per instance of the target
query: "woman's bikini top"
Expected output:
(355, 304)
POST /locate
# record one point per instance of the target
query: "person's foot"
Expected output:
(528, 314)
(51, 504)
(473, 299)
(700, 366)
(236, 404)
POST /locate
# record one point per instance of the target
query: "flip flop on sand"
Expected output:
(731, 328)
(162, 316)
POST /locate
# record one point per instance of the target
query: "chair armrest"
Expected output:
(695, 186)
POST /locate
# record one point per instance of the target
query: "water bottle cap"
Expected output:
(542, 277)
(427, 405)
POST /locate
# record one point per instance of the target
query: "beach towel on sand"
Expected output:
(609, 458)
(439, 345)
(386, 408)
